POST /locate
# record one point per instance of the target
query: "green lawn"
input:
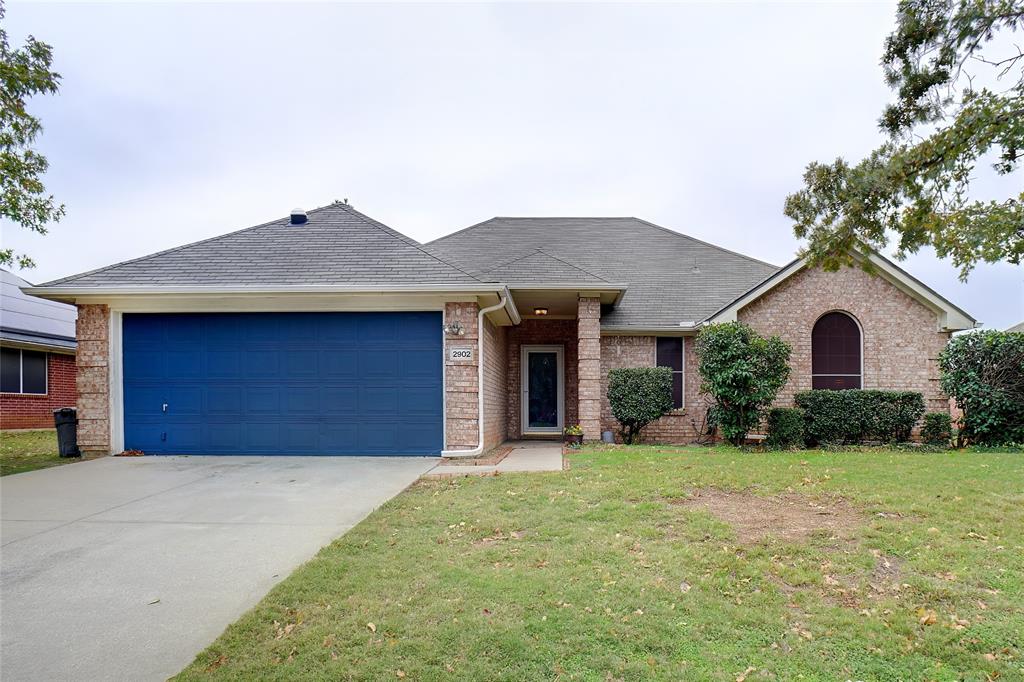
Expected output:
(604, 572)
(29, 450)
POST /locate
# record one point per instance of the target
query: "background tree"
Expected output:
(944, 122)
(24, 72)
(742, 372)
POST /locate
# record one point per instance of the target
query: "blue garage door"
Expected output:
(283, 383)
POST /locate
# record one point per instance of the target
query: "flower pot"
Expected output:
(573, 440)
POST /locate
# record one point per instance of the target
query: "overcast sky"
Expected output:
(180, 122)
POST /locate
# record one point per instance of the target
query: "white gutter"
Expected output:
(132, 290)
(479, 383)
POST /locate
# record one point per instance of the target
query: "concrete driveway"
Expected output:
(126, 568)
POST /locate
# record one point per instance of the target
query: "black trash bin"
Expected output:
(66, 421)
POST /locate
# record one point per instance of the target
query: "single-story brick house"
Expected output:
(328, 332)
(37, 356)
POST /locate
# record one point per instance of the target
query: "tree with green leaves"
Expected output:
(742, 372)
(959, 105)
(24, 72)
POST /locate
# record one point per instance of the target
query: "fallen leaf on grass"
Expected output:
(371, 627)
(743, 675)
(926, 616)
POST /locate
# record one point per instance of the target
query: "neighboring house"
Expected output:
(1017, 328)
(331, 333)
(37, 356)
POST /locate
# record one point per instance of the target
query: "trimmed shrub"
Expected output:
(984, 372)
(638, 396)
(855, 416)
(785, 428)
(937, 429)
(742, 372)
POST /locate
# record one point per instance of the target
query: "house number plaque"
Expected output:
(460, 353)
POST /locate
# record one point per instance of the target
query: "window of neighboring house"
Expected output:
(836, 352)
(22, 371)
(670, 354)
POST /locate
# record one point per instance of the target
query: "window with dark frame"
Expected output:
(670, 354)
(22, 371)
(836, 352)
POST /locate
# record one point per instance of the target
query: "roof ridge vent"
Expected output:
(298, 217)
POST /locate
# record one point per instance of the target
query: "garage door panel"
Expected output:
(378, 400)
(300, 364)
(300, 437)
(378, 364)
(144, 364)
(223, 364)
(301, 401)
(417, 364)
(224, 400)
(183, 400)
(142, 400)
(339, 363)
(184, 363)
(262, 400)
(224, 437)
(284, 383)
(262, 437)
(419, 401)
(261, 363)
(378, 329)
(341, 400)
(416, 436)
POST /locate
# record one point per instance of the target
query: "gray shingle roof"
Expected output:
(338, 245)
(656, 263)
(537, 266)
(29, 319)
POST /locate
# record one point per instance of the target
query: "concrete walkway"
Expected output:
(526, 456)
(126, 568)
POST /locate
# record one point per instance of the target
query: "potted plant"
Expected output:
(573, 435)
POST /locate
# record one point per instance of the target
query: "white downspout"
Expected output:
(479, 383)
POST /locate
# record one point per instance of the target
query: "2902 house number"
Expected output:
(460, 353)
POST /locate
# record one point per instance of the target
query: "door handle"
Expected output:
(165, 407)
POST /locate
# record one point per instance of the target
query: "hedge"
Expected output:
(937, 429)
(638, 396)
(984, 372)
(855, 416)
(785, 428)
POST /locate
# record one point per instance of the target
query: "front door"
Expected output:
(543, 389)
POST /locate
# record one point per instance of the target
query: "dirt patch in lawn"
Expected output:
(785, 517)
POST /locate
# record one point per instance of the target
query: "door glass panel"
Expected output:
(543, 387)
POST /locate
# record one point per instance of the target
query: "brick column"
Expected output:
(93, 333)
(462, 430)
(588, 329)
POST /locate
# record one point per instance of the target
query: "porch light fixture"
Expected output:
(540, 311)
(454, 329)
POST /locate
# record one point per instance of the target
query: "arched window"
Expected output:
(835, 352)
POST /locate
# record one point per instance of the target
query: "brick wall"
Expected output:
(639, 351)
(495, 384)
(23, 411)
(900, 337)
(588, 328)
(542, 332)
(93, 330)
(460, 379)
